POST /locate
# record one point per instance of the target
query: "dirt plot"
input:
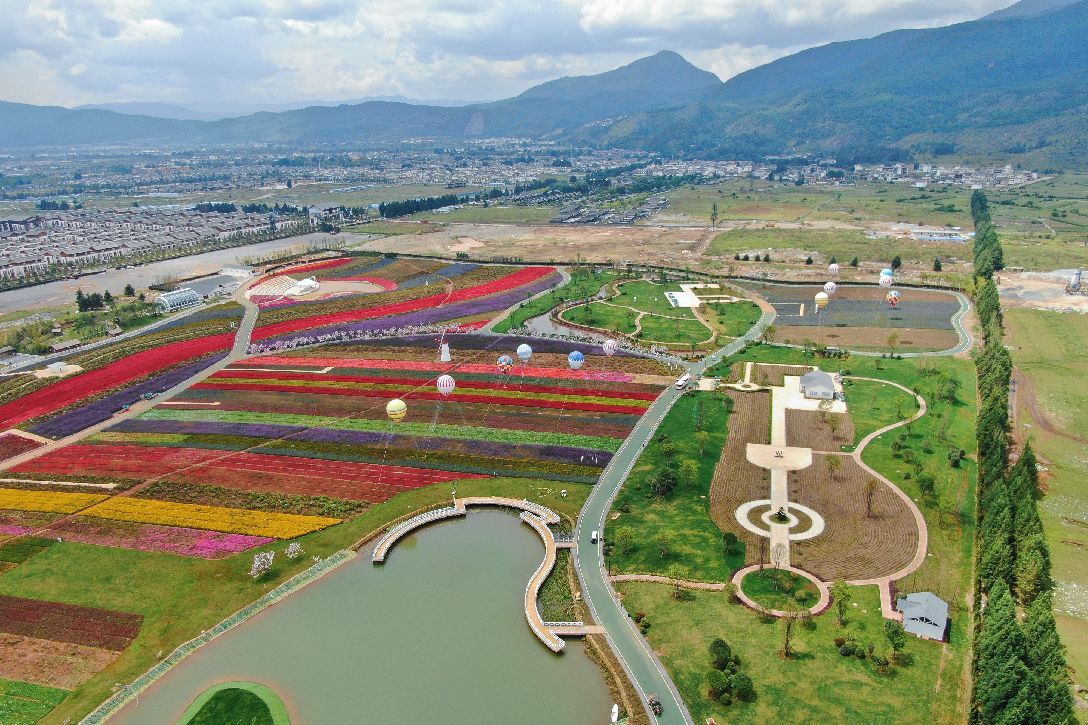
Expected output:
(815, 430)
(860, 307)
(852, 546)
(870, 338)
(774, 374)
(88, 626)
(736, 481)
(668, 245)
(54, 664)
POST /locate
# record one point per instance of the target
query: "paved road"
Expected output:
(641, 664)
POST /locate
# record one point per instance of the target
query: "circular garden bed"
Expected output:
(775, 588)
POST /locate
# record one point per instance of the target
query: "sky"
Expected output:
(231, 53)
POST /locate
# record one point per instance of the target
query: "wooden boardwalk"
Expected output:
(540, 518)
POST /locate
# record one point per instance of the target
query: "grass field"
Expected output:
(817, 684)
(1048, 348)
(660, 322)
(678, 523)
(165, 589)
(493, 214)
(232, 705)
(731, 319)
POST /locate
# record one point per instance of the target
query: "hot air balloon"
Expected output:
(885, 280)
(576, 360)
(396, 409)
(893, 298)
(610, 347)
(524, 352)
(446, 384)
(887, 272)
(505, 363)
(830, 288)
(821, 300)
(833, 268)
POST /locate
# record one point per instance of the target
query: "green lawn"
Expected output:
(582, 284)
(181, 596)
(235, 706)
(663, 323)
(732, 319)
(818, 685)
(673, 331)
(875, 405)
(776, 589)
(682, 518)
(555, 598)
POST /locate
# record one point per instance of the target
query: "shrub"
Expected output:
(846, 650)
(721, 654)
(639, 616)
(718, 683)
(742, 687)
(839, 641)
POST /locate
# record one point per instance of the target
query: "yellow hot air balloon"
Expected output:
(821, 300)
(396, 409)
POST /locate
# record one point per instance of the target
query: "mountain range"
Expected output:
(1007, 85)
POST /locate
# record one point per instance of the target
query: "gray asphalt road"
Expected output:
(641, 664)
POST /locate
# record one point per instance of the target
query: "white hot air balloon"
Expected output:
(524, 353)
(446, 384)
(396, 409)
(610, 347)
(821, 300)
(833, 268)
(887, 272)
(830, 288)
(885, 280)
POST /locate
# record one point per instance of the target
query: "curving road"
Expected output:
(642, 666)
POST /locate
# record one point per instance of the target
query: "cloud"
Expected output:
(272, 51)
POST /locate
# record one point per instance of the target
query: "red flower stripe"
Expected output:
(514, 386)
(315, 266)
(393, 393)
(386, 284)
(74, 389)
(523, 276)
(435, 367)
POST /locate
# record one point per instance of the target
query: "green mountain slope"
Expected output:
(987, 86)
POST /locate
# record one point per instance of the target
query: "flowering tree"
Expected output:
(262, 563)
(294, 550)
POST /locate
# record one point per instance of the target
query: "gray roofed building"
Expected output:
(818, 385)
(925, 615)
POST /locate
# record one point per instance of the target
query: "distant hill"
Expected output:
(1028, 9)
(985, 88)
(155, 110)
(660, 81)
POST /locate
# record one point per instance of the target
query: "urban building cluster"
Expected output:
(32, 244)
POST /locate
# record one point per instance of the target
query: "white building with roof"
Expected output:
(818, 385)
(178, 300)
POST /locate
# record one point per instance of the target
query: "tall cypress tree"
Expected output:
(1000, 671)
(1045, 655)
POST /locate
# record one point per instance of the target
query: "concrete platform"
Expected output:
(778, 458)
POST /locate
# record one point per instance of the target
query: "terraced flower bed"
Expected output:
(13, 444)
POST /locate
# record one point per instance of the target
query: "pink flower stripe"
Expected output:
(153, 537)
(10, 530)
(486, 369)
(386, 284)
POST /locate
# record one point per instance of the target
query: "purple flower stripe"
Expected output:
(153, 537)
(95, 412)
(10, 530)
(560, 454)
(453, 270)
(472, 341)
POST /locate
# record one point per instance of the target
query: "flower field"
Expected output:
(12, 444)
(57, 622)
(117, 375)
(479, 291)
(50, 501)
(213, 518)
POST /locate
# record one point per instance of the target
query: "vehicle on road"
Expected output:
(594, 537)
(655, 706)
(683, 381)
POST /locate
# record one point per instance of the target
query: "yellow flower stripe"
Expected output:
(213, 518)
(158, 438)
(51, 501)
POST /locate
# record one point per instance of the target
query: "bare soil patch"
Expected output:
(852, 546)
(773, 375)
(812, 429)
(736, 481)
(55, 664)
(871, 338)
